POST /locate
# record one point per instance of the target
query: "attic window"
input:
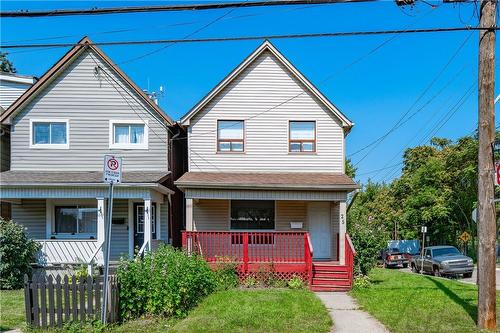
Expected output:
(302, 136)
(128, 134)
(230, 137)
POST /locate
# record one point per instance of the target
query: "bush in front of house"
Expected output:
(226, 273)
(165, 282)
(367, 244)
(17, 252)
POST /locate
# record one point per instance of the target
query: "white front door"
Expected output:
(318, 217)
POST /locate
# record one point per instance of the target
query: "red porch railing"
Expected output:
(288, 252)
(350, 252)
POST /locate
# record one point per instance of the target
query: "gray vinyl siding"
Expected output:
(31, 215)
(119, 234)
(202, 193)
(211, 215)
(291, 211)
(10, 91)
(257, 95)
(4, 148)
(335, 212)
(88, 101)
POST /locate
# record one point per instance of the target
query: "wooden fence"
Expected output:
(52, 302)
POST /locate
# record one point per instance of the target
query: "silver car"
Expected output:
(442, 261)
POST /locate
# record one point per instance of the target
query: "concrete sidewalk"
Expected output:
(346, 315)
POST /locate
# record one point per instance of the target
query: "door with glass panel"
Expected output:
(139, 223)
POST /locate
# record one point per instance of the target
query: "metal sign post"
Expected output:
(112, 174)
(424, 230)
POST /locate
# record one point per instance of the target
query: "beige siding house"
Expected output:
(81, 109)
(266, 154)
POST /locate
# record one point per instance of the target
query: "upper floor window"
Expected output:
(302, 136)
(230, 136)
(128, 134)
(49, 133)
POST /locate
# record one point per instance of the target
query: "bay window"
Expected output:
(302, 136)
(230, 136)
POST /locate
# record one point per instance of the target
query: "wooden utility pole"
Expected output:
(486, 224)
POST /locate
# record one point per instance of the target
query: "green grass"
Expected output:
(261, 310)
(11, 309)
(406, 302)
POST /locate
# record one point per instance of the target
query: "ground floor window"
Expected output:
(252, 214)
(76, 220)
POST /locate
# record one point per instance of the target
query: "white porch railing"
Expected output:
(69, 251)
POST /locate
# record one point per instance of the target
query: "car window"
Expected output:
(427, 252)
(445, 251)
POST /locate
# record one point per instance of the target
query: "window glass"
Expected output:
(75, 220)
(137, 134)
(230, 136)
(140, 219)
(121, 134)
(252, 214)
(302, 136)
(49, 133)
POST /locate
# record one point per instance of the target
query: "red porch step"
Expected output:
(330, 276)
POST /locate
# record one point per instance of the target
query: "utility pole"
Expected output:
(486, 224)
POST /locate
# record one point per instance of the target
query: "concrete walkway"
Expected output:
(346, 315)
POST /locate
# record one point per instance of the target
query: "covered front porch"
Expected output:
(68, 218)
(292, 229)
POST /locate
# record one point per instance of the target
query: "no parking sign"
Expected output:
(112, 169)
(497, 174)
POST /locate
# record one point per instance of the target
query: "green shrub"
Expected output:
(296, 283)
(165, 282)
(226, 274)
(250, 282)
(17, 252)
(367, 244)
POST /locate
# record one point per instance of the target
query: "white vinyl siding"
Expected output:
(10, 91)
(211, 215)
(255, 96)
(89, 101)
(291, 211)
(119, 232)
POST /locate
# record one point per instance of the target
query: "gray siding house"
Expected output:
(81, 109)
(266, 153)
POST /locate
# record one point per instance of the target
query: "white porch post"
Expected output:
(342, 230)
(148, 235)
(101, 221)
(189, 215)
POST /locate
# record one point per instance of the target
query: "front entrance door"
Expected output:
(319, 221)
(139, 223)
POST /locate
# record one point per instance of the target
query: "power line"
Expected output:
(398, 124)
(259, 37)
(170, 8)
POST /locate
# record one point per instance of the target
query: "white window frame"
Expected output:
(49, 145)
(113, 145)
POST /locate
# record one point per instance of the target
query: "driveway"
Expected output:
(471, 280)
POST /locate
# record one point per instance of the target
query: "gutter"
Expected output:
(342, 187)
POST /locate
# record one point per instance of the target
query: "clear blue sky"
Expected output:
(374, 92)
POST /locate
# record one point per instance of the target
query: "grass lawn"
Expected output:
(406, 302)
(258, 310)
(11, 309)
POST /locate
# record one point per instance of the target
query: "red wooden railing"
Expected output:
(350, 252)
(252, 248)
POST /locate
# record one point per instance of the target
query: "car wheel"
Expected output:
(414, 268)
(436, 271)
(405, 265)
(468, 275)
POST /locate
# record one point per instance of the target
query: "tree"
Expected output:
(350, 169)
(6, 65)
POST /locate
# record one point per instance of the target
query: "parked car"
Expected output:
(408, 247)
(393, 257)
(443, 261)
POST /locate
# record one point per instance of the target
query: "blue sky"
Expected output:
(374, 92)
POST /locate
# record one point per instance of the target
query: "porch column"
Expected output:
(101, 221)
(148, 235)
(189, 215)
(342, 230)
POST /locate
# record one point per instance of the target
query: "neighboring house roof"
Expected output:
(267, 46)
(16, 78)
(281, 180)
(14, 177)
(62, 64)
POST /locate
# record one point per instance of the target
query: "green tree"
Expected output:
(6, 65)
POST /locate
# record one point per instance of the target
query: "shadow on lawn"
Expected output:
(471, 309)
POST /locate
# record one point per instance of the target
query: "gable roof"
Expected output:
(267, 46)
(61, 65)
